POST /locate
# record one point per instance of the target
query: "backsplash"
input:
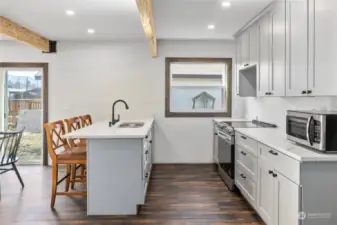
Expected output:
(274, 110)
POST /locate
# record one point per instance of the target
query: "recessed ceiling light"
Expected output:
(211, 26)
(70, 12)
(91, 31)
(226, 4)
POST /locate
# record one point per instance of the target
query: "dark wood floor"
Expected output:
(178, 195)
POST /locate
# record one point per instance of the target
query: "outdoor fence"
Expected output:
(15, 105)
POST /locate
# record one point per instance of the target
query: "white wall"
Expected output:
(274, 109)
(87, 77)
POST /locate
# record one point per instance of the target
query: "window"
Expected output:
(198, 87)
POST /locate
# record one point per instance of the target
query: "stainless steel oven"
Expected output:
(226, 158)
(314, 129)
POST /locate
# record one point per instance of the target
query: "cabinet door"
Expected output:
(286, 201)
(322, 47)
(278, 45)
(238, 62)
(297, 46)
(253, 45)
(263, 56)
(265, 201)
(245, 48)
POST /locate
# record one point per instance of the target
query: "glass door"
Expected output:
(4, 120)
(23, 108)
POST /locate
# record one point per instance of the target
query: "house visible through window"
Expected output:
(198, 87)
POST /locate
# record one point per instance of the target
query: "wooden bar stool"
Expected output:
(86, 120)
(62, 153)
(74, 124)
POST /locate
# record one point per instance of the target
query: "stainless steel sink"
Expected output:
(131, 125)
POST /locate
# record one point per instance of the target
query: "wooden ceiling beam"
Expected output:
(146, 16)
(19, 33)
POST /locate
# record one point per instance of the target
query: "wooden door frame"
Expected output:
(45, 69)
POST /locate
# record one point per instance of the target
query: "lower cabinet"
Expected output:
(147, 162)
(278, 197)
(268, 180)
(246, 185)
(283, 190)
(286, 198)
(265, 199)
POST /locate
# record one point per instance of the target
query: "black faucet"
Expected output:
(114, 121)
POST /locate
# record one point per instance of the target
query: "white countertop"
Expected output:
(102, 130)
(276, 139)
(229, 119)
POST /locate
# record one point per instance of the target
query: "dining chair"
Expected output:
(61, 153)
(9, 146)
(86, 120)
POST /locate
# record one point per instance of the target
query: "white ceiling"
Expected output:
(119, 19)
(112, 19)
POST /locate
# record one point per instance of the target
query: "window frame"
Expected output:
(228, 93)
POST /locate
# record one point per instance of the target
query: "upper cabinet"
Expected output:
(271, 52)
(263, 69)
(293, 49)
(253, 45)
(278, 49)
(297, 48)
(247, 49)
(322, 48)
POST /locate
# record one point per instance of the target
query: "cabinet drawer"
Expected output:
(247, 161)
(246, 185)
(284, 164)
(249, 144)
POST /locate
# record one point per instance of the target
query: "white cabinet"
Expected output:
(238, 63)
(285, 186)
(293, 47)
(271, 60)
(286, 199)
(245, 49)
(322, 47)
(246, 167)
(263, 71)
(278, 196)
(253, 45)
(278, 49)
(265, 200)
(297, 46)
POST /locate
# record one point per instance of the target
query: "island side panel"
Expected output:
(319, 198)
(114, 174)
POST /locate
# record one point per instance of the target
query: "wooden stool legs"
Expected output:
(54, 184)
(68, 170)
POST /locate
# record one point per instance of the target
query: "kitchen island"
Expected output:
(119, 163)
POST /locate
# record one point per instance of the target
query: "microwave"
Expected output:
(314, 129)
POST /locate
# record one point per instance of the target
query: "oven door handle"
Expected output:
(225, 137)
(308, 130)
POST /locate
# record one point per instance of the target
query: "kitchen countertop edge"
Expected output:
(273, 138)
(101, 130)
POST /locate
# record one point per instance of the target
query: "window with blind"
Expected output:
(198, 87)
